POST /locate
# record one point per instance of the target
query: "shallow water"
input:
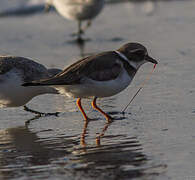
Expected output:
(153, 140)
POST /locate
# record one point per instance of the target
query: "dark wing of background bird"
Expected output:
(28, 69)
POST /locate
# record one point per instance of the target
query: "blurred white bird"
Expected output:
(14, 71)
(78, 10)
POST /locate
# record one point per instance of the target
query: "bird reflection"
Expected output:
(116, 159)
(84, 134)
(118, 116)
(120, 157)
(21, 149)
(25, 154)
(99, 136)
(81, 47)
(32, 119)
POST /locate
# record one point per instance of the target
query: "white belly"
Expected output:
(12, 94)
(78, 9)
(91, 88)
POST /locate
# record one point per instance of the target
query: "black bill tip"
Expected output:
(150, 59)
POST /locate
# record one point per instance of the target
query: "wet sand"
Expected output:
(155, 138)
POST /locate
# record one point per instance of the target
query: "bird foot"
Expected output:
(89, 119)
(109, 119)
(40, 114)
(79, 33)
(80, 40)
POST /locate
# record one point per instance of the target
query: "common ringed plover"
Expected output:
(100, 75)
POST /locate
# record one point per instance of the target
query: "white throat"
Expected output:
(133, 64)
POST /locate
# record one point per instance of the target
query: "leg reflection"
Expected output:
(30, 120)
(98, 138)
(84, 134)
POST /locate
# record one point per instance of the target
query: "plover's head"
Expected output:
(136, 54)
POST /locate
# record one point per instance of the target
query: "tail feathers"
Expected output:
(49, 82)
(33, 84)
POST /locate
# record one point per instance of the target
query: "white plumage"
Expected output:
(14, 71)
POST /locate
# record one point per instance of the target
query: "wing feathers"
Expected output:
(102, 67)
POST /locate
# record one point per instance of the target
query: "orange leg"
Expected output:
(94, 105)
(81, 109)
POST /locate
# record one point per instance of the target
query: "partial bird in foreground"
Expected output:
(15, 71)
(100, 75)
(78, 10)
